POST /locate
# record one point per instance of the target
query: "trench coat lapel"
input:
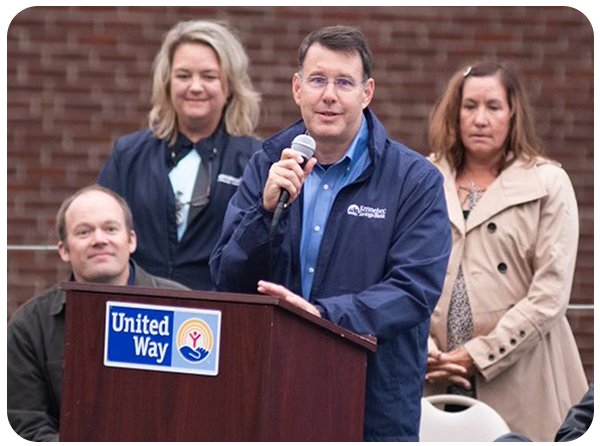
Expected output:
(516, 185)
(455, 213)
(457, 218)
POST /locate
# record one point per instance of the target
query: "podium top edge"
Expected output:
(368, 342)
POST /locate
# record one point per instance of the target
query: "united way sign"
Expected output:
(169, 339)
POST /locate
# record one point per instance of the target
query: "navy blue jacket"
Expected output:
(137, 170)
(380, 269)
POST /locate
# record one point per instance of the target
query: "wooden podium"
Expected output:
(284, 375)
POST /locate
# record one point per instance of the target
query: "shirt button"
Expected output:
(522, 333)
(317, 228)
(491, 228)
(502, 350)
(502, 267)
(491, 357)
(513, 342)
(326, 186)
(311, 270)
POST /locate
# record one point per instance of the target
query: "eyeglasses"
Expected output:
(319, 83)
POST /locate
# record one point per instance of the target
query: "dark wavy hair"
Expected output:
(343, 39)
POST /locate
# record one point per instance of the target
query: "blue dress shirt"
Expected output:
(320, 189)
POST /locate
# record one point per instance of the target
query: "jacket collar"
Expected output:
(58, 303)
(377, 138)
(519, 183)
(140, 278)
(207, 147)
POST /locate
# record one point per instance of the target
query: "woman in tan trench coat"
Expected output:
(499, 332)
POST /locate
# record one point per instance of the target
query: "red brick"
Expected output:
(78, 77)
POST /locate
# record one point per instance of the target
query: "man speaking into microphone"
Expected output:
(364, 239)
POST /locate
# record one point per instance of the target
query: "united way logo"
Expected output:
(167, 339)
(194, 340)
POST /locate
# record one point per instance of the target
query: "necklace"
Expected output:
(474, 194)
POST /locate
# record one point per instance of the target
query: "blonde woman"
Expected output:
(179, 174)
(499, 332)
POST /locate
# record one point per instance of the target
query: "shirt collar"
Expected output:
(359, 143)
(178, 151)
(357, 146)
(131, 274)
(208, 146)
(58, 306)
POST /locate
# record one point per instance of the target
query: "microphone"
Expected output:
(305, 146)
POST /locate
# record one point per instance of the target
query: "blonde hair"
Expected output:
(242, 110)
(444, 124)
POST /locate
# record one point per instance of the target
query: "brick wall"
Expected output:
(80, 77)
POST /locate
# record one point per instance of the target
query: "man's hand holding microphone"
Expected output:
(283, 186)
(287, 175)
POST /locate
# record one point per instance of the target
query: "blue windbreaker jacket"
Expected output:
(380, 269)
(137, 170)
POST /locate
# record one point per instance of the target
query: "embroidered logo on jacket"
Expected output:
(228, 179)
(366, 211)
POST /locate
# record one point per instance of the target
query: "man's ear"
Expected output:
(63, 251)
(132, 242)
(296, 88)
(368, 92)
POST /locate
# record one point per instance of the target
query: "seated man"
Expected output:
(96, 238)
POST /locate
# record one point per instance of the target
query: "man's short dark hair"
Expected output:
(61, 223)
(344, 39)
